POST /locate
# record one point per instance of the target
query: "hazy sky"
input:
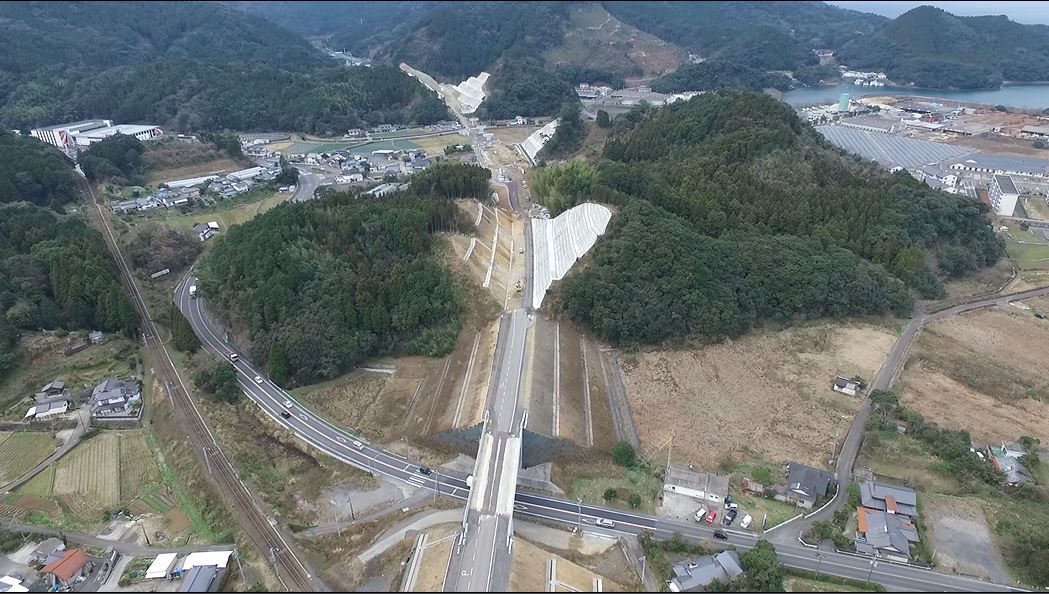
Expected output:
(1021, 12)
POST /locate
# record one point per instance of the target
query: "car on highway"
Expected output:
(287, 404)
(357, 444)
(258, 379)
(425, 470)
(605, 523)
(720, 535)
(710, 517)
(730, 517)
(285, 414)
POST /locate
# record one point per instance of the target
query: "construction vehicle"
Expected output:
(519, 287)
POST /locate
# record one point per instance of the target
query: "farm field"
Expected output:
(100, 474)
(39, 360)
(225, 215)
(21, 451)
(1031, 259)
(767, 393)
(983, 372)
(434, 145)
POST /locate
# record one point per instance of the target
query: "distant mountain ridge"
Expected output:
(930, 47)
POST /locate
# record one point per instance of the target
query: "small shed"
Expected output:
(161, 566)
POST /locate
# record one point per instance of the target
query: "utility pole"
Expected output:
(146, 536)
(579, 517)
(236, 553)
(874, 563)
(643, 559)
(819, 557)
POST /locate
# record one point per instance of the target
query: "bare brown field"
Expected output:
(434, 145)
(994, 143)
(768, 393)
(435, 559)
(983, 372)
(528, 572)
(514, 135)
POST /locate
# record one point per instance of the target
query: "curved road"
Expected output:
(340, 444)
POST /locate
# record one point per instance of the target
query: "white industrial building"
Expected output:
(86, 132)
(1003, 195)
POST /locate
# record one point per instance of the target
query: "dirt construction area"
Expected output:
(767, 393)
(961, 537)
(535, 570)
(984, 372)
(568, 386)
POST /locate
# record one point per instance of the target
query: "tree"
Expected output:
(224, 383)
(610, 494)
(289, 175)
(1030, 444)
(183, 337)
(277, 364)
(603, 121)
(623, 454)
(764, 572)
(1041, 143)
(634, 500)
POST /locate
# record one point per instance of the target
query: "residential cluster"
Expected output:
(186, 192)
(351, 167)
(57, 568)
(112, 398)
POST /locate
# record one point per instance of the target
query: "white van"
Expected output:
(701, 514)
(746, 521)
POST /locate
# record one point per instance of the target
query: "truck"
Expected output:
(193, 292)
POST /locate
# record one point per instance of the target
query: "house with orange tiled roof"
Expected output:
(70, 568)
(886, 534)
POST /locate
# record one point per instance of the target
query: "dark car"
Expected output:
(730, 517)
(425, 470)
(720, 535)
(285, 414)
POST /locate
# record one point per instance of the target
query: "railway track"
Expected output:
(290, 570)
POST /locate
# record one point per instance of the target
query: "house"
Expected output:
(384, 189)
(46, 410)
(884, 533)
(72, 567)
(203, 231)
(805, 486)
(355, 133)
(214, 558)
(46, 549)
(214, 226)
(1015, 473)
(845, 386)
(96, 337)
(888, 498)
(115, 398)
(202, 578)
(701, 486)
(54, 388)
(11, 584)
(700, 573)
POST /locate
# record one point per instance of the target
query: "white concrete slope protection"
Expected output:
(535, 141)
(470, 93)
(560, 241)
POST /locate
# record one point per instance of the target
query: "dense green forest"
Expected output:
(457, 40)
(929, 47)
(568, 136)
(576, 74)
(117, 159)
(735, 30)
(35, 172)
(729, 196)
(330, 282)
(524, 87)
(55, 272)
(718, 74)
(195, 66)
(560, 187)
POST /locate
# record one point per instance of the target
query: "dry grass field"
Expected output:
(984, 372)
(528, 572)
(87, 480)
(197, 170)
(768, 393)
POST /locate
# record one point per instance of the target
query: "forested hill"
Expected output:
(324, 284)
(35, 172)
(933, 48)
(188, 66)
(55, 272)
(763, 35)
(735, 211)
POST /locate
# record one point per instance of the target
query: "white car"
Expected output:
(357, 444)
(701, 514)
(258, 379)
(605, 522)
(746, 521)
(287, 404)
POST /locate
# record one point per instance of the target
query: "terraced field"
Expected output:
(87, 480)
(21, 451)
(138, 470)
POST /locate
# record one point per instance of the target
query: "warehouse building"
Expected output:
(1003, 165)
(86, 132)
